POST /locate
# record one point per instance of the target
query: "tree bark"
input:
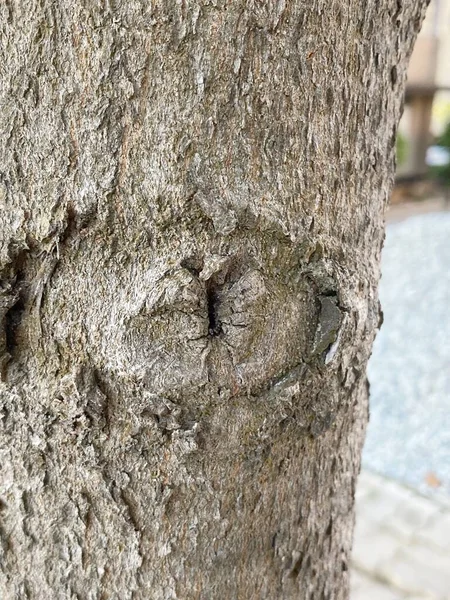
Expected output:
(192, 198)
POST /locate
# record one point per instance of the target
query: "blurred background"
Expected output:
(423, 140)
(402, 535)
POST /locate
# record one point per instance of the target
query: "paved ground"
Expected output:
(402, 537)
(402, 543)
(408, 438)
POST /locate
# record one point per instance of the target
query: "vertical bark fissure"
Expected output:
(212, 300)
(12, 320)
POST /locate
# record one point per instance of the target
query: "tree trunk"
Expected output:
(192, 198)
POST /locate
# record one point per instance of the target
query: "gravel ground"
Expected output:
(408, 437)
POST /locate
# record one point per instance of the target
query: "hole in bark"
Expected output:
(215, 326)
(394, 75)
(193, 264)
(12, 321)
(71, 224)
(46, 478)
(296, 568)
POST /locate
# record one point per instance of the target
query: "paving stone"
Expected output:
(417, 568)
(365, 588)
(369, 480)
(412, 515)
(379, 504)
(424, 596)
(401, 544)
(363, 488)
(436, 532)
(372, 546)
(357, 581)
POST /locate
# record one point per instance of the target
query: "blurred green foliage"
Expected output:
(401, 150)
(443, 172)
(444, 139)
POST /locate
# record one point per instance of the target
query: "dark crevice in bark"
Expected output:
(12, 321)
(296, 568)
(76, 224)
(212, 298)
(193, 264)
(131, 512)
(71, 224)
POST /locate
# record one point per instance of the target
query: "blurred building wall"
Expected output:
(428, 81)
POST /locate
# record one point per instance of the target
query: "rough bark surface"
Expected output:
(192, 197)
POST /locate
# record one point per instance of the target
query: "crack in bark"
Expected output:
(212, 299)
(12, 321)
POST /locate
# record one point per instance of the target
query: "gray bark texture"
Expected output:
(192, 196)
